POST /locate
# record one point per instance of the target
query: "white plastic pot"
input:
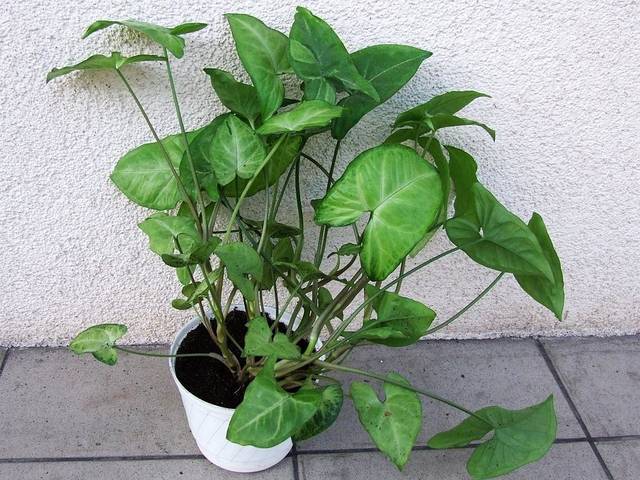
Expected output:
(209, 423)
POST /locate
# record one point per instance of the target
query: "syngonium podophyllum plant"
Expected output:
(194, 179)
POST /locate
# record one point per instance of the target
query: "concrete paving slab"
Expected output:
(622, 458)
(475, 374)
(603, 379)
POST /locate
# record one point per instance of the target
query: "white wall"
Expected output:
(564, 77)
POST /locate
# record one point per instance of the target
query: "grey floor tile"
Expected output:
(622, 458)
(137, 470)
(3, 352)
(509, 373)
(55, 404)
(574, 461)
(603, 379)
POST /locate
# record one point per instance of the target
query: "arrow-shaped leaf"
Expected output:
(259, 342)
(99, 340)
(115, 61)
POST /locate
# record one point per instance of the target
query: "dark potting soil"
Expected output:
(207, 378)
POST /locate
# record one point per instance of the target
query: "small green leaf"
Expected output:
(463, 170)
(238, 97)
(274, 229)
(236, 151)
(189, 27)
(268, 415)
(448, 103)
(444, 120)
(550, 294)
(394, 424)
(99, 340)
(115, 61)
(308, 114)
(347, 249)
(263, 52)
(519, 437)
(403, 194)
(258, 341)
(325, 416)
(162, 229)
(241, 261)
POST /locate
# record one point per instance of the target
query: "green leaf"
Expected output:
(198, 256)
(447, 103)
(316, 53)
(241, 261)
(238, 97)
(263, 53)
(388, 68)
(403, 194)
(162, 229)
(320, 89)
(444, 120)
(115, 61)
(194, 292)
(99, 340)
(274, 229)
(519, 437)
(463, 170)
(236, 151)
(402, 135)
(308, 114)
(258, 341)
(268, 415)
(550, 294)
(401, 321)
(325, 416)
(144, 176)
(168, 38)
(394, 424)
(498, 240)
(347, 249)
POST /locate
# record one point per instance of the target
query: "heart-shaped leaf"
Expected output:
(388, 68)
(403, 194)
(394, 424)
(115, 61)
(238, 97)
(519, 437)
(241, 261)
(99, 340)
(162, 229)
(308, 114)
(327, 413)
(268, 415)
(550, 294)
(263, 53)
(236, 151)
(259, 342)
(447, 103)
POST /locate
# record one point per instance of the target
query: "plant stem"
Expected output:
(300, 242)
(403, 264)
(177, 355)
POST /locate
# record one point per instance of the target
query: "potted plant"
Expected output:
(253, 377)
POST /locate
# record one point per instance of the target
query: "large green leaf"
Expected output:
(519, 437)
(550, 294)
(238, 97)
(169, 38)
(393, 424)
(268, 415)
(446, 103)
(316, 53)
(325, 416)
(263, 53)
(259, 342)
(145, 177)
(401, 321)
(115, 61)
(307, 114)
(498, 239)
(463, 170)
(403, 194)
(388, 68)
(241, 261)
(162, 229)
(99, 340)
(236, 151)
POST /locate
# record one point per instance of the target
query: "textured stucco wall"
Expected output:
(564, 78)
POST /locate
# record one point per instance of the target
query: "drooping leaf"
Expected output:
(99, 340)
(550, 294)
(394, 424)
(259, 342)
(162, 229)
(447, 103)
(444, 120)
(325, 416)
(316, 53)
(238, 97)
(400, 321)
(308, 114)
(498, 239)
(403, 194)
(236, 151)
(463, 170)
(115, 61)
(268, 415)
(519, 437)
(241, 261)
(263, 53)
(168, 38)
(388, 68)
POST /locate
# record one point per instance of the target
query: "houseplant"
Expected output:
(268, 365)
